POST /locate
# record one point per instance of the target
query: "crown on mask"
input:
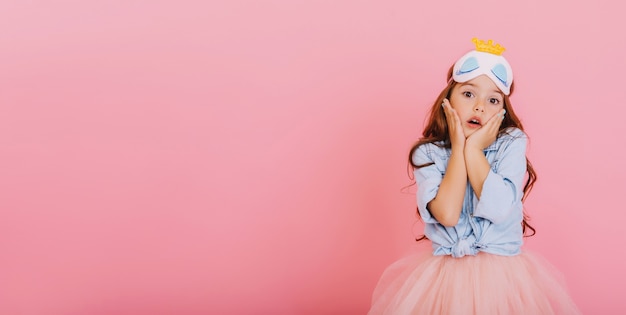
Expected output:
(488, 47)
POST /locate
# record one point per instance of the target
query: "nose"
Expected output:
(479, 106)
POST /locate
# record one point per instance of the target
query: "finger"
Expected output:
(456, 116)
(496, 120)
(448, 110)
(451, 113)
(499, 118)
(446, 106)
(502, 119)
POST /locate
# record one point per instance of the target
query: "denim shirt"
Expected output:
(490, 224)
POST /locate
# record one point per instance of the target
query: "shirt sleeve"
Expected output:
(503, 187)
(428, 178)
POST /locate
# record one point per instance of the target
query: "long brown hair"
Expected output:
(436, 131)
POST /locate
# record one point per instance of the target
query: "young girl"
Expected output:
(470, 168)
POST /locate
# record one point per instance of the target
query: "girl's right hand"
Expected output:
(455, 129)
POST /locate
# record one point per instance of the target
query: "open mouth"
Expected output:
(474, 122)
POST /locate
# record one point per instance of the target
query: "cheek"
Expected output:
(457, 103)
(493, 110)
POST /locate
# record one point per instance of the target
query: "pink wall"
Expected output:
(248, 157)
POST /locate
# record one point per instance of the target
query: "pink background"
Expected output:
(249, 157)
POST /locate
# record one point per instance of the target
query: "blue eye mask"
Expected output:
(476, 63)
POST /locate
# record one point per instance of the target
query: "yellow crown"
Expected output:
(488, 47)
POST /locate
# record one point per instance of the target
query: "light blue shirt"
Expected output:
(490, 224)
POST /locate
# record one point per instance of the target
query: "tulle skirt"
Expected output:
(481, 284)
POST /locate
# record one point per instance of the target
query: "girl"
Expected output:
(470, 168)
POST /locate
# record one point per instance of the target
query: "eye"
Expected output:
(468, 94)
(494, 101)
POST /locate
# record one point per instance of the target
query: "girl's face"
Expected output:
(476, 101)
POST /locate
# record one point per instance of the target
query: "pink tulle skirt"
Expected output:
(481, 284)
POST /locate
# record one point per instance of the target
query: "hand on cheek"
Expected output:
(487, 134)
(455, 128)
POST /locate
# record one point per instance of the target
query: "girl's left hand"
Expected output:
(487, 134)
